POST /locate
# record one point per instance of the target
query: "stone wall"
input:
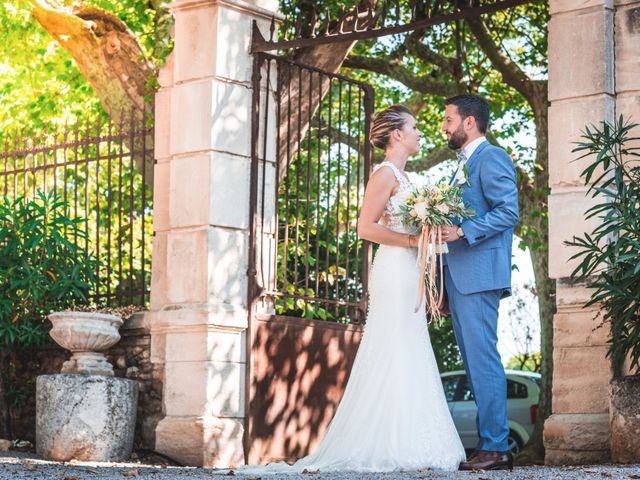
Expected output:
(130, 358)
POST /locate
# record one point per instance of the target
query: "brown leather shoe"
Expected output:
(483, 460)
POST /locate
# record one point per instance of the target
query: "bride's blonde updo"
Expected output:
(386, 121)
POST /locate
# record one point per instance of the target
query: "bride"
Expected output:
(393, 415)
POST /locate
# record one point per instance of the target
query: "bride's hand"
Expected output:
(413, 241)
(449, 233)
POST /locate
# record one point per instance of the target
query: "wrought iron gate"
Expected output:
(310, 162)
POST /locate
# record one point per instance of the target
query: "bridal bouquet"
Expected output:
(427, 209)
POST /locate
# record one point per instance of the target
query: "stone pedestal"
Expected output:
(199, 308)
(625, 420)
(85, 417)
(577, 438)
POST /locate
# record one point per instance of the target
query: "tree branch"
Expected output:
(435, 157)
(510, 71)
(416, 47)
(397, 71)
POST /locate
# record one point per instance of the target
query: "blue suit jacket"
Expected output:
(482, 260)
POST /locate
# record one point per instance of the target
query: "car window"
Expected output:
(465, 391)
(516, 390)
(450, 384)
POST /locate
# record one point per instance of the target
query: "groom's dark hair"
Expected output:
(472, 106)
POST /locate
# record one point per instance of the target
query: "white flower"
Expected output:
(421, 209)
(461, 178)
(443, 208)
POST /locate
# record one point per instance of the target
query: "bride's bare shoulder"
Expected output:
(382, 175)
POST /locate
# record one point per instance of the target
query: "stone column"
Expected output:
(594, 48)
(581, 92)
(201, 207)
(627, 38)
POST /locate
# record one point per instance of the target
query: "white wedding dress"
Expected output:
(393, 414)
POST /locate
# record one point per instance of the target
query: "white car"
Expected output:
(523, 391)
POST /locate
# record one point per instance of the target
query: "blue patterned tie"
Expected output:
(462, 158)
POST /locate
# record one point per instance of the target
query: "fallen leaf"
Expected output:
(605, 474)
(421, 470)
(71, 478)
(31, 467)
(22, 445)
(311, 472)
(131, 473)
(230, 473)
(61, 474)
(634, 476)
(90, 470)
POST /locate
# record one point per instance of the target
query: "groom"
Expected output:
(477, 269)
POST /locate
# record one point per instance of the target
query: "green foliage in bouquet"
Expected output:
(41, 270)
(610, 254)
(435, 205)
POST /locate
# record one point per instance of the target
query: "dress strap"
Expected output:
(401, 178)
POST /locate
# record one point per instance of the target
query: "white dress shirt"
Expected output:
(469, 149)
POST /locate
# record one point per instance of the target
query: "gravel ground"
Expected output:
(21, 466)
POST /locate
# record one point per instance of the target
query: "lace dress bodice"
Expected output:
(392, 215)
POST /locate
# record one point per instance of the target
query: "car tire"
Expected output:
(514, 442)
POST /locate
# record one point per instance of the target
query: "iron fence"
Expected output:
(100, 170)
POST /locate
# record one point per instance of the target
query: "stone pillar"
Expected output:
(581, 92)
(201, 207)
(627, 37)
(594, 48)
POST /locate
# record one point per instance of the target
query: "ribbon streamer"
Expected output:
(429, 248)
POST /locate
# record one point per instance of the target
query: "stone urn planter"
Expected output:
(624, 415)
(85, 413)
(86, 335)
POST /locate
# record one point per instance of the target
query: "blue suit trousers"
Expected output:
(475, 323)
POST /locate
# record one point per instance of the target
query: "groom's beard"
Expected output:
(457, 139)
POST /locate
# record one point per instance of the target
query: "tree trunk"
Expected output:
(106, 51)
(534, 215)
(5, 428)
(301, 92)
(109, 57)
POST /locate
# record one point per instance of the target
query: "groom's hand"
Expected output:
(449, 233)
